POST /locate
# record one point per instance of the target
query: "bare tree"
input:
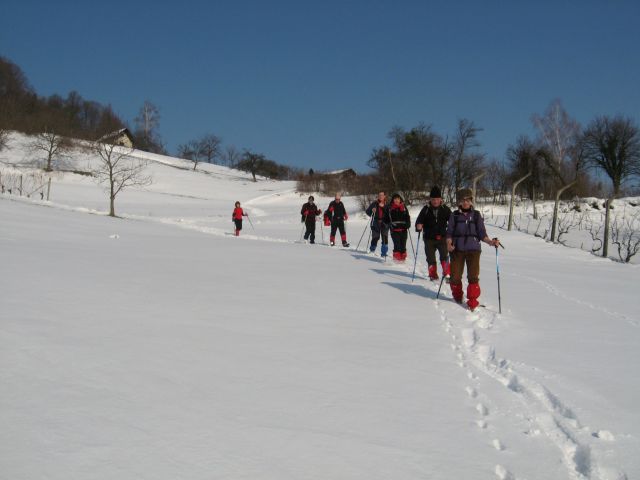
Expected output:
(625, 235)
(613, 146)
(52, 145)
(147, 123)
(191, 150)
(231, 156)
(251, 162)
(118, 170)
(559, 135)
(465, 163)
(210, 147)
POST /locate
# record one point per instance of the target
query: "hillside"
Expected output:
(157, 345)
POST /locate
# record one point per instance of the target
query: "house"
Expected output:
(121, 137)
(344, 173)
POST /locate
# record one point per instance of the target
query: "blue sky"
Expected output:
(319, 84)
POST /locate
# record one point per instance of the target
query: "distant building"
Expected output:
(344, 173)
(120, 137)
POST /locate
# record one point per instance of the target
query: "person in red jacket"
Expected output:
(309, 213)
(400, 221)
(237, 215)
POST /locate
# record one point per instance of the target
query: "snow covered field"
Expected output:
(159, 346)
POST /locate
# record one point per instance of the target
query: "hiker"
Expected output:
(465, 231)
(309, 213)
(335, 216)
(400, 221)
(379, 213)
(236, 216)
(432, 222)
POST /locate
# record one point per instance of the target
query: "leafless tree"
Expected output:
(625, 235)
(613, 146)
(465, 162)
(191, 150)
(559, 135)
(210, 147)
(251, 162)
(52, 145)
(147, 123)
(117, 170)
(231, 156)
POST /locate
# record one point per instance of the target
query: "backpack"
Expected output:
(474, 219)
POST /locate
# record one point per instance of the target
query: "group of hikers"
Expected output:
(456, 236)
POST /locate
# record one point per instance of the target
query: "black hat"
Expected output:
(435, 192)
(311, 198)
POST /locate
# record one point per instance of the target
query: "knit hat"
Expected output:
(462, 194)
(435, 192)
(311, 199)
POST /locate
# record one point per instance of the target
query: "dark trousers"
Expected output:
(469, 258)
(377, 233)
(310, 233)
(430, 248)
(238, 224)
(399, 241)
(338, 225)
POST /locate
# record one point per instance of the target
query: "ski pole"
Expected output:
(440, 287)
(363, 232)
(322, 230)
(412, 249)
(251, 223)
(415, 262)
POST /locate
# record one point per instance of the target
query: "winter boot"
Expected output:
(373, 247)
(433, 272)
(456, 291)
(446, 270)
(397, 256)
(332, 240)
(237, 233)
(383, 250)
(473, 292)
(344, 240)
(404, 256)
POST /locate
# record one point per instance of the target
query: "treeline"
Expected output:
(22, 109)
(209, 149)
(600, 159)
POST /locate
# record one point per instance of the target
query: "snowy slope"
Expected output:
(159, 346)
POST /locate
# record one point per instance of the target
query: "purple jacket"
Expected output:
(465, 232)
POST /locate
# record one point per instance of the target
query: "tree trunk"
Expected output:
(112, 201)
(607, 221)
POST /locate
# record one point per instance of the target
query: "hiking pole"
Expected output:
(498, 275)
(251, 223)
(322, 230)
(440, 287)
(411, 239)
(415, 262)
(363, 232)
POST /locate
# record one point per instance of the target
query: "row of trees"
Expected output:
(563, 154)
(208, 148)
(22, 109)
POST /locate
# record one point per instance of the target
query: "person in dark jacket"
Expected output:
(236, 216)
(335, 216)
(465, 231)
(309, 213)
(400, 221)
(432, 222)
(379, 213)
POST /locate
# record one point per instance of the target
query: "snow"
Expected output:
(157, 345)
